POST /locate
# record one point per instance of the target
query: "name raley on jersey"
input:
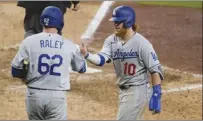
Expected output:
(124, 55)
(51, 44)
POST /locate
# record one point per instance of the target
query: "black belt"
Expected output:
(122, 87)
(45, 89)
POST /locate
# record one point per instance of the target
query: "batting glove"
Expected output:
(155, 101)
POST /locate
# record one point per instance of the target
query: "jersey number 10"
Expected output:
(129, 69)
(49, 68)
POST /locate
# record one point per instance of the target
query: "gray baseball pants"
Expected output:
(133, 102)
(46, 105)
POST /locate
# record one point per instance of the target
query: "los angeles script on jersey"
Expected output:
(51, 44)
(124, 55)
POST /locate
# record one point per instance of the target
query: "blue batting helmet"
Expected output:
(52, 16)
(124, 14)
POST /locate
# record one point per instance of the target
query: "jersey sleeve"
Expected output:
(106, 49)
(21, 54)
(78, 62)
(151, 60)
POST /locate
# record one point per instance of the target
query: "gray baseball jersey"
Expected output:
(131, 60)
(50, 56)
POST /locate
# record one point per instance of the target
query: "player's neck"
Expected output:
(128, 35)
(50, 30)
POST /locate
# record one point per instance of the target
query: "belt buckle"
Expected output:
(124, 86)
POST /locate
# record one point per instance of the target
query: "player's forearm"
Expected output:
(155, 79)
(96, 59)
(155, 101)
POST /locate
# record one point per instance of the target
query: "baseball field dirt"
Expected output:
(176, 34)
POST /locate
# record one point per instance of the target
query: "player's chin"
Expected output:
(118, 33)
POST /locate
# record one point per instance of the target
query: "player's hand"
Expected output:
(155, 101)
(76, 7)
(83, 49)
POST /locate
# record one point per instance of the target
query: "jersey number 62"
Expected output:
(49, 68)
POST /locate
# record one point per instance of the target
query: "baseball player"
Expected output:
(133, 59)
(33, 11)
(43, 62)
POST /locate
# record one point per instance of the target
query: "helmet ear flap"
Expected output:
(130, 21)
(128, 24)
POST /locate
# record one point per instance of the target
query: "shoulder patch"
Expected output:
(154, 56)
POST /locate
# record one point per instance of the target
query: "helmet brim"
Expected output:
(115, 19)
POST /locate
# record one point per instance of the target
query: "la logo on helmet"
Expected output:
(46, 21)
